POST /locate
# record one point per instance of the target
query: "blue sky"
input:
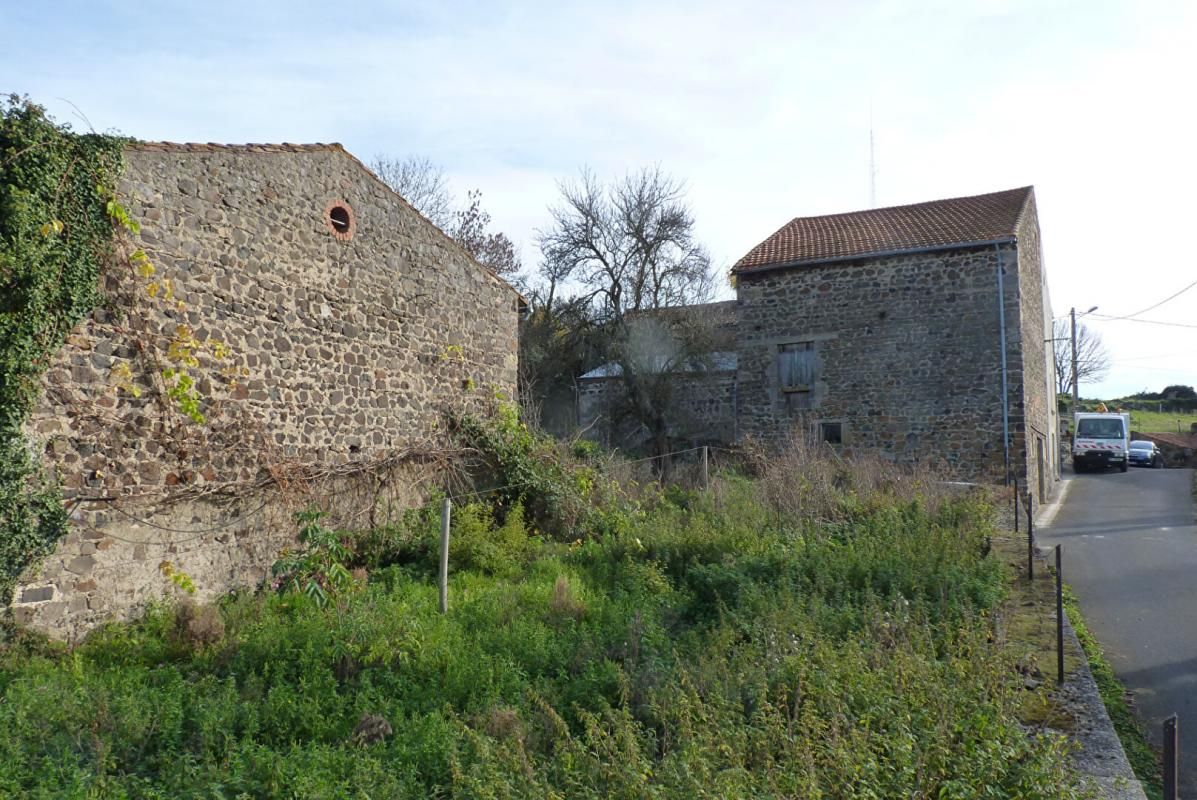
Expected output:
(762, 108)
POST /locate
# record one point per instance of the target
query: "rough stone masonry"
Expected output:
(916, 333)
(353, 324)
(926, 329)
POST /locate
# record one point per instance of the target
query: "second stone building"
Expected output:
(918, 332)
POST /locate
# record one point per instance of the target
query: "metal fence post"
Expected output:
(706, 467)
(1059, 617)
(1171, 757)
(1030, 558)
(1030, 516)
(446, 511)
(1016, 505)
(1030, 540)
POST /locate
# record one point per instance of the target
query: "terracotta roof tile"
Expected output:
(935, 224)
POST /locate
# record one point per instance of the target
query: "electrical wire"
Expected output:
(199, 531)
(481, 492)
(1126, 319)
(1151, 307)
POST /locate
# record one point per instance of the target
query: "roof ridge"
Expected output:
(927, 225)
(920, 204)
(1027, 199)
(251, 147)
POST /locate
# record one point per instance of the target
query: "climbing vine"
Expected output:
(58, 213)
(182, 353)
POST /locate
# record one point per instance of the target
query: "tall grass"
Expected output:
(717, 644)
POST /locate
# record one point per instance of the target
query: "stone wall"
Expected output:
(703, 411)
(1036, 418)
(908, 349)
(351, 333)
(1178, 449)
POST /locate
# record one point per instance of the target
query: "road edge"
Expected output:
(1047, 511)
(1101, 757)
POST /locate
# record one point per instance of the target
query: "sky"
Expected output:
(763, 109)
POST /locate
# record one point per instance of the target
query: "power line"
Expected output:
(1105, 318)
(1156, 357)
(1136, 367)
(1156, 305)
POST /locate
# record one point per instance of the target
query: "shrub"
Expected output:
(561, 496)
(565, 603)
(476, 543)
(198, 626)
(711, 644)
(318, 570)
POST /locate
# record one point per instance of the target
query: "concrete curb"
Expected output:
(1100, 759)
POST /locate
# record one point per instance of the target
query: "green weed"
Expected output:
(703, 644)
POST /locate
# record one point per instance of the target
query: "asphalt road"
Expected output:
(1130, 554)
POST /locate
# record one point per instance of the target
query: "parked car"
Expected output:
(1145, 454)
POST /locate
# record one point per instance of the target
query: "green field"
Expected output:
(1155, 422)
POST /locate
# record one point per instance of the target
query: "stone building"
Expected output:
(919, 332)
(688, 356)
(331, 325)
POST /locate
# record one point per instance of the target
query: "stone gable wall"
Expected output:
(352, 349)
(909, 351)
(1038, 420)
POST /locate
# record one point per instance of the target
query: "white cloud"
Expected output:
(763, 108)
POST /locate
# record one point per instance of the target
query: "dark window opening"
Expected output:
(797, 366)
(831, 432)
(339, 216)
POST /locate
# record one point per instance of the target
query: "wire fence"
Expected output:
(240, 520)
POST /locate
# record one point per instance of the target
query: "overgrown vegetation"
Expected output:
(56, 232)
(1142, 757)
(832, 640)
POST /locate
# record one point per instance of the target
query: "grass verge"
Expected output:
(1156, 422)
(1142, 756)
(1027, 628)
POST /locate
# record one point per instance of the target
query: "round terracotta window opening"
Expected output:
(338, 215)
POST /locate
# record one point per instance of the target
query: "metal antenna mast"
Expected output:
(872, 163)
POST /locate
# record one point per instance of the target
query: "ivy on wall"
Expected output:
(58, 214)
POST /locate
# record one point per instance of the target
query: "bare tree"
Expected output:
(420, 182)
(631, 243)
(630, 246)
(492, 249)
(423, 184)
(1092, 359)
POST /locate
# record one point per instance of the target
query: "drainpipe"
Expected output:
(736, 404)
(1001, 286)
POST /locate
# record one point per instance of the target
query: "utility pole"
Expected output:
(1075, 382)
(1075, 388)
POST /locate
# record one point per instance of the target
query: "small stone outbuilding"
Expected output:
(333, 327)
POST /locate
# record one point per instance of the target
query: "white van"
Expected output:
(1100, 441)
